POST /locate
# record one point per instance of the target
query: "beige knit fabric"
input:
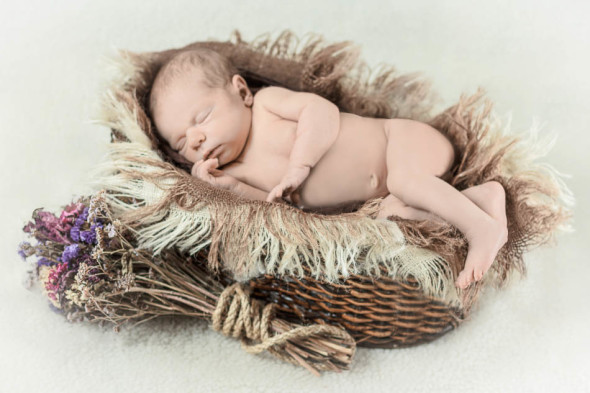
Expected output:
(149, 189)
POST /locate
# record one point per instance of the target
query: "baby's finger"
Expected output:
(275, 193)
(203, 172)
(205, 163)
(212, 163)
(271, 195)
(195, 167)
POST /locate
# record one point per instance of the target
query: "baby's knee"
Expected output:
(496, 190)
(496, 186)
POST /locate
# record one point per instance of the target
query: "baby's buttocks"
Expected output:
(354, 169)
(418, 145)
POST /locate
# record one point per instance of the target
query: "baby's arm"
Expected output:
(206, 170)
(318, 125)
(249, 192)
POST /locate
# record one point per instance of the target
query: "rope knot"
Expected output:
(238, 316)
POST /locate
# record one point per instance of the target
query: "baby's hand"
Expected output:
(207, 171)
(290, 182)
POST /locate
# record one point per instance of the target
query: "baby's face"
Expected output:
(196, 119)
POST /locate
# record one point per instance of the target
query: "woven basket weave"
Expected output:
(382, 313)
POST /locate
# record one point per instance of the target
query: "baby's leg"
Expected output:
(484, 234)
(489, 196)
(390, 206)
(414, 160)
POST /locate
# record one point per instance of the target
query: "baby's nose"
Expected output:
(195, 140)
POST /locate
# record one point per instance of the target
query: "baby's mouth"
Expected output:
(213, 152)
(207, 154)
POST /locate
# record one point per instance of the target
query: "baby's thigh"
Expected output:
(416, 147)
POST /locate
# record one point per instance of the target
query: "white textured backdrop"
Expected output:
(531, 56)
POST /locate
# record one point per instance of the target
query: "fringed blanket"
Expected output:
(149, 186)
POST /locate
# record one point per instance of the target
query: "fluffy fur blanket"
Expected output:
(150, 187)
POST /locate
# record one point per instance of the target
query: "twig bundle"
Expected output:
(90, 270)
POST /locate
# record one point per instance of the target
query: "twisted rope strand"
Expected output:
(238, 316)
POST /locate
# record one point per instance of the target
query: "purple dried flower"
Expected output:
(93, 275)
(96, 225)
(82, 218)
(25, 250)
(88, 236)
(75, 233)
(70, 252)
(44, 262)
(65, 242)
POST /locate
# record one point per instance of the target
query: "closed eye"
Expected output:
(180, 145)
(204, 115)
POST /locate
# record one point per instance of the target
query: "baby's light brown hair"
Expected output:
(216, 68)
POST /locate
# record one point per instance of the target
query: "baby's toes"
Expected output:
(478, 274)
(464, 278)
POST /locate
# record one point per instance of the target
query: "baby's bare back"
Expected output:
(354, 169)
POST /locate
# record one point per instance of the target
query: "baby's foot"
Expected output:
(491, 198)
(484, 243)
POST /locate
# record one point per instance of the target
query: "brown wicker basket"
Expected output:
(382, 313)
(378, 313)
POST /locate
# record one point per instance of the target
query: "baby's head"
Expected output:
(198, 102)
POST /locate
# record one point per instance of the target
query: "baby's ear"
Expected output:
(241, 86)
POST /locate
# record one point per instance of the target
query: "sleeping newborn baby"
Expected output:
(280, 143)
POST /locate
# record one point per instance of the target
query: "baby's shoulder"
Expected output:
(271, 91)
(285, 103)
(264, 106)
